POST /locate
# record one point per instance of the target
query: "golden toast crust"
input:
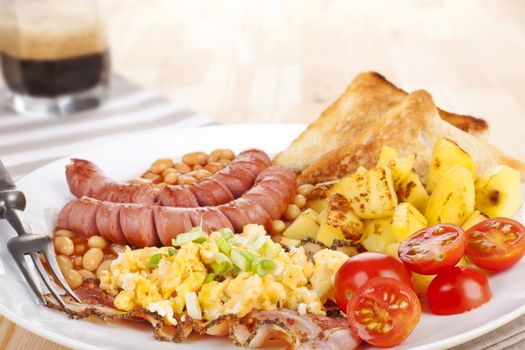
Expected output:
(367, 99)
(410, 127)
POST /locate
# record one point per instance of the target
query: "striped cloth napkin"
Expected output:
(27, 143)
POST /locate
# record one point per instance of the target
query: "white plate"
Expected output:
(47, 191)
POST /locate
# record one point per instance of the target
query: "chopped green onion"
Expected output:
(224, 246)
(195, 235)
(221, 264)
(239, 260)
(171, 251)
(270, 249)
(154, 260)
(249, 254)
(226, 233)
(263, 266)
(259, 242)
(235, 270)
(210, 277)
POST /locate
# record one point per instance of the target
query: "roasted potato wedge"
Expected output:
(446, 154)
(453, 198)
(499, 193)
(340, 215)
(328, 233)
(377, 235)
(406, 220)
(305, 225)
(370, 193)
(474, 219)
(411, 190)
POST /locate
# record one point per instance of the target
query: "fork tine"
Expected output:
(45, 278)
(22, 265)
(52, 262)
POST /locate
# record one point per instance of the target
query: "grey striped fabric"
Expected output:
(27, 143)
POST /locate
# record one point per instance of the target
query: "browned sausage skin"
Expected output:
(146, 225)
(86, 179)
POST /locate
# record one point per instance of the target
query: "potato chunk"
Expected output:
(377, 235)
(370, 193)
(446, 154)
(305, 225)
(473, 220)
(453, 198)
(328, 233)
(339, 214)
(411, 190)
(499, 193)
(406, 220)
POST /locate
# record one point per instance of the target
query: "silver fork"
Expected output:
(12, 204)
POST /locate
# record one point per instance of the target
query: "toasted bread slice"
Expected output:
(410, 127)
(367, 99)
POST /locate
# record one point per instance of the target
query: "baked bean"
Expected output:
(197, 167)
(224, 161)
(214, 167)
(305, 189)
(218, 154)
(64, 233)
(292, 212)
(160, 165)
(64, 262)
(194, 158)
(186, 179)
(97, 242)
(92, 259)
(184, 168)
(80, 248)
(202, 174)
(140, 181)
(171, 178)
(86, 274)
(64, 245)
(154, 178)
(77, 261)
(73, 278)
(300, 200)
(169, 171)
(105, 266)
(278, 226)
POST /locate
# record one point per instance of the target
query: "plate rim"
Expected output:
(71, 342)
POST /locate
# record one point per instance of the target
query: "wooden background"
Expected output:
(285, 60)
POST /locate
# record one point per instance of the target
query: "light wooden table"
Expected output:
(277, 61)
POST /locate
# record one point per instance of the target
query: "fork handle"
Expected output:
(15, 217)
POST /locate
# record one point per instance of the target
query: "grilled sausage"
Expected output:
(86, 179)
(145, 225)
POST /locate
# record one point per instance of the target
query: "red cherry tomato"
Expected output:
(496, 244)
(383, 312)
(360, 268)
(458, 290)
(434, 249)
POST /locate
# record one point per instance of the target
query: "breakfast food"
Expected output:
(86, 179)
(144, 225)
(404, 206)
(366, 100)
(411, 128)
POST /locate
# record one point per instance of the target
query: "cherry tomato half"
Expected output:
(383, 312)
(496, 244)
(433, 249)
(458, 290)
(360, 268)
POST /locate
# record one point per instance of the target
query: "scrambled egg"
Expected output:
(180, 281)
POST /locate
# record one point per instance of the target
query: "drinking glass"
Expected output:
(54, 55)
